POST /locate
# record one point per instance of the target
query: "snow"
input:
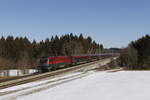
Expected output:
(123, 85)
(37, 83)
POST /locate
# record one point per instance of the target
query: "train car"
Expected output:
(80, 59)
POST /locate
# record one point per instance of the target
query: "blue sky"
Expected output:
(113, 23)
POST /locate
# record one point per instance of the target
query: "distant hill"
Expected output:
(112, 50)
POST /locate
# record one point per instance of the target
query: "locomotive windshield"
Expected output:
(43, 60)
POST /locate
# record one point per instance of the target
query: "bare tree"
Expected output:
(129, 57)
(5, 63)
(23, 63)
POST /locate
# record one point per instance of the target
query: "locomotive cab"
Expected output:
(43, 64)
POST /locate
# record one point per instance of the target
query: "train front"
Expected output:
(44, 65)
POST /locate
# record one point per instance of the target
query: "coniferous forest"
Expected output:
(21, 53)
(137, 54)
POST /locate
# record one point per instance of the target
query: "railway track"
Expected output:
(13, 94)
(48, 74)
(16, 77)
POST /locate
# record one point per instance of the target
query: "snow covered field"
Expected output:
(123, 85)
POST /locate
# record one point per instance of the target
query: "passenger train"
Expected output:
(55, 62)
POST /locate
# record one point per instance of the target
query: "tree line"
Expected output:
(137, 54)
(20, 53)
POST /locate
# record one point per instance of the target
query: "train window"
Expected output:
(43, 61)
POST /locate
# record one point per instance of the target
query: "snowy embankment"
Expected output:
(123, 85)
